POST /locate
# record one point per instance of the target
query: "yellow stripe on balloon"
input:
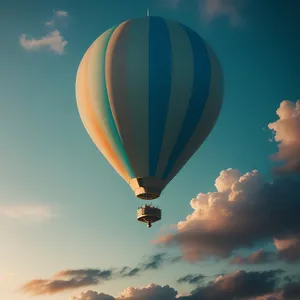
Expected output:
(90, 120)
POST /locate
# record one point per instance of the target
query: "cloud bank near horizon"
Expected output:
(244, 285)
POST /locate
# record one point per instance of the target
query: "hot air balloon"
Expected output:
(149, 92)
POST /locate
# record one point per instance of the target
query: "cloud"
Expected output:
(59, 18)
(33, 212)
(92, 295)
(259, 257)
(54, 41)
(239, 284)
(287, 133)
(150, 292)
(66, 280)
(73, 279)
(129, 272)
(61, 13)
(290, 291)
(191, 279)
(244, 210)
(153, 262)
(228, 8)
(156, 261)
(288, 249)
(212, 9)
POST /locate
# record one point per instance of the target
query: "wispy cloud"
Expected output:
(66, 280)
(259, 257)
(53, 41)
(60, 17)
(153, 262)
(34, 212)
(191, 279)
(72, 279)
(227, 8)
(288, 250)
(213, 9)
(61, 13)
(241, 284)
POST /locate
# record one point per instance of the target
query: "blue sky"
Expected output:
(62, 205)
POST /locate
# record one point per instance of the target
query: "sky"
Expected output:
(230, 225)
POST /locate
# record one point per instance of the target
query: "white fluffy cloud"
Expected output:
(53, 41)
(287, 133)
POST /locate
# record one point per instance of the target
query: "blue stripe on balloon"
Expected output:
(160, 72)
(200, 92)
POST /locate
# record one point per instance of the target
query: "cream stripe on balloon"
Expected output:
(209, 117)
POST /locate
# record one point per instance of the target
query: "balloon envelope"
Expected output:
(149, 91)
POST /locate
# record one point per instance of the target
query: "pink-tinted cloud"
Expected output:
(271, 296)
(92, 295)
(66, 280)
(73, 279)
(245, 209)
(149, 292)
(288, 248)
(228, 8)
(287, 133)
(259, 257)
(239, 285)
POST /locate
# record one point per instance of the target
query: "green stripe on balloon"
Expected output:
(97, 86)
